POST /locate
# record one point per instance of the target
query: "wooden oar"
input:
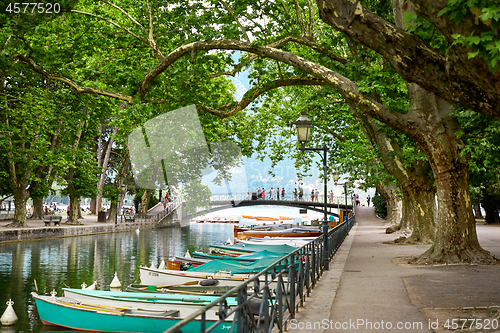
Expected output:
(189, 283)
(98, 307)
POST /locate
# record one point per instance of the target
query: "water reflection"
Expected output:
(68, 262)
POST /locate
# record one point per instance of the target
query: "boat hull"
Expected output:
(185, 304)
(282, 233)
(159, 277)
(52, 311)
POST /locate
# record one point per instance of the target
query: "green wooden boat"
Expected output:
(65, 312)
(197, 289)
(239, 249)
(185, 304)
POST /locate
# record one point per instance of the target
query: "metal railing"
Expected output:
(269, 300)
(288, 197)
(158, 217)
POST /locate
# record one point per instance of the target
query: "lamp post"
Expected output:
(335, 176)
(303, 125)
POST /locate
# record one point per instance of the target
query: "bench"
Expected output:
(129, 218)
(53, 218)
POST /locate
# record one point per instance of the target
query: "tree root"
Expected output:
(16, 225)
(412, 241)
(471, 255)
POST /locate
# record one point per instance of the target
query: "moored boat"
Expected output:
(239, 249)
(182, 289)
(291, 232)
(73, 314)
(184, 303)
(161, 277)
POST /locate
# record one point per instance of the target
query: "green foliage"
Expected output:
(485, 43)
(426, 31)
(380, 206)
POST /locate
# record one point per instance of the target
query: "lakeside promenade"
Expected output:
(89, 225)
(368, 289)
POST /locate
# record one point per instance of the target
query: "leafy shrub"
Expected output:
(380, 206)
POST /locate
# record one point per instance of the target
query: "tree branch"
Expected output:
(255, 92)
(78, 89)
(113, 23)
(345, 86)
(453, 77)
(233, 14)
(126, 14)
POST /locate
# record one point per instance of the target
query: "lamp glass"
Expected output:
(335, 176)
(303, 125)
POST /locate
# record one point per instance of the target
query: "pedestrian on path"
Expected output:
(368, 200)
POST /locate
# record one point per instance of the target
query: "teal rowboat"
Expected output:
(65, 312)
(185, 304)
(239, 249)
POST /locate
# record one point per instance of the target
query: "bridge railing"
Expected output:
(288, 197)
(270, 299)
(160, 216)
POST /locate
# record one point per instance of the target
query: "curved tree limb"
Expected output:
(255, 92)
(299, 40)
(454, 77)
(345, 86)
(72, 84)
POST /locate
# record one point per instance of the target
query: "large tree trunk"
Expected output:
(145, 201)
(477, 211)
(455, 239)
(115, 206)
(490, 205)
(100, 184)
(37, 209)
(413, 180)
(393, 201)
(421, 206)
(74, 209)
(21, 197)
(93, 206)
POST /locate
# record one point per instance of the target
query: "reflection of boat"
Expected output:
(285, 218)
(291, 232)
(66, 312)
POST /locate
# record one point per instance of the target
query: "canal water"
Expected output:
(52, 264)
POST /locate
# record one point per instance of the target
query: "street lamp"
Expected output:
(335, 176)
(303, 125)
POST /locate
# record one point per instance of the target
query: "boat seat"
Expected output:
(171, 313)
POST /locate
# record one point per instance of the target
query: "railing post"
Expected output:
(291, 280)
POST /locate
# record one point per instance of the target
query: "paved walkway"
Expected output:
(366, 290)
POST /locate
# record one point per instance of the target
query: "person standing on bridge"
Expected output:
(271, 193)
(312, 195)
(295, 194)
(263, 194)
(316, 195)
(278, 193)
(282, 193)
